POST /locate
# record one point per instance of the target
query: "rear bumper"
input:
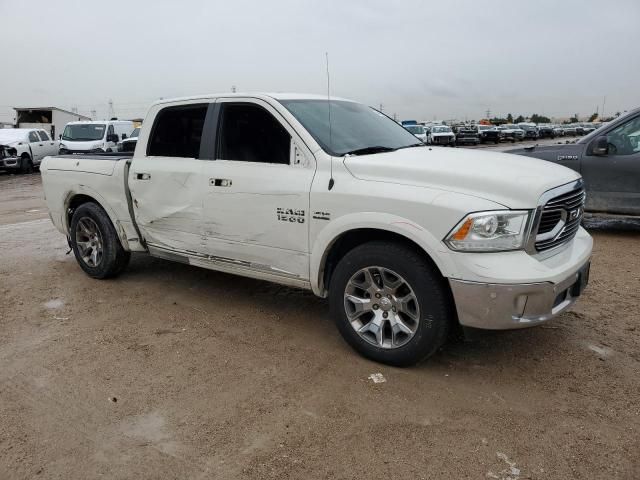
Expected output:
(494, 306)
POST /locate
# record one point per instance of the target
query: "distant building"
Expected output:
(51, 119)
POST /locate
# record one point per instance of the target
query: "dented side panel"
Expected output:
(166, 194)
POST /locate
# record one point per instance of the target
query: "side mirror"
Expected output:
(112, 138)
(124, 135)
(601, 146)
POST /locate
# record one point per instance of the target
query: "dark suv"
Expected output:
(530, 130)
(467, 134)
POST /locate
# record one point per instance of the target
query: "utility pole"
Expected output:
(233, 89)
(93, 114)
(380, 107)
(112, 112)
(488, 112)
(604, 99)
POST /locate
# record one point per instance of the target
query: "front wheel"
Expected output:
(95, 243)
(26, 165)
(390, 303)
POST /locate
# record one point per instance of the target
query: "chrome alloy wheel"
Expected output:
(89, 241)
(381, 307)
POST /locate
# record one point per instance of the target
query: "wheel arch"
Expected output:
(82, 195)
(334, 243)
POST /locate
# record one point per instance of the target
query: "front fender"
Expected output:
(372, 220)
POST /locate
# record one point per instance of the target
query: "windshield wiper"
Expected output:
(369, 150)
(412, 145)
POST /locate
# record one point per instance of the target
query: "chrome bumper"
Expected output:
(495, 306)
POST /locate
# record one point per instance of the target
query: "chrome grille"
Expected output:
(560, 219)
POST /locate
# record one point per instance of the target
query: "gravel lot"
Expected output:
(172, 371)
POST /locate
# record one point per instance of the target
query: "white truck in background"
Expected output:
(23, 149)
(406, 240)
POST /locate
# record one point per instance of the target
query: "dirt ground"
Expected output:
(171, 371)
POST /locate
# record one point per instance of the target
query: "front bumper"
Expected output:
(494, 306)
(10, 163)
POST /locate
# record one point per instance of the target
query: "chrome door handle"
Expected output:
(220, 182)
(143, 176)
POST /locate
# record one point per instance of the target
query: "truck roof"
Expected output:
(261, 95)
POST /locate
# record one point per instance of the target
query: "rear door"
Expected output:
(166, 180)
(256, 206)
(50, 147)
(37, 147)
(613, 180)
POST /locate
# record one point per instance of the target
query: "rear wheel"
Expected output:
(95, 243)
(389, 303)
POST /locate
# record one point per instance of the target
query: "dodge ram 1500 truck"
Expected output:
(609, 161)
(406, 240)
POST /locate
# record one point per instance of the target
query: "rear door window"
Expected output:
(43, 136)
(33, 137)
(177, 131)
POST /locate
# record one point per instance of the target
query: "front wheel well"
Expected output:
(354, 238)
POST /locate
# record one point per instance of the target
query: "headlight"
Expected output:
(490, 231)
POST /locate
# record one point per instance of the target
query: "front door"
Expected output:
(256, 205)
(165, 181)
(613, 180)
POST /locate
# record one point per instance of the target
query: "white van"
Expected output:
(94, 136)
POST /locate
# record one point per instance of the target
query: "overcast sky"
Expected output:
(420, 59)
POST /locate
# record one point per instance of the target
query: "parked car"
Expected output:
(579, 129)
(588, 128)
(129, 143)
(609, 161)
(467, 134)
(418, 131)
(558, 130)
(546, 130)
(569, 130)
(405, 241)
(94, 136)
(441, 135)
(489, 133)
(24, 148)
(530, 130)
(511, 132)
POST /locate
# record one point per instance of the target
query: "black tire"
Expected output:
(114, 258)
(429, 287)
(26, 165)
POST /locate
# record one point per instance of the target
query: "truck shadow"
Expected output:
(305, 316)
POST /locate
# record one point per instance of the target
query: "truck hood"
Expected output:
(511, 180)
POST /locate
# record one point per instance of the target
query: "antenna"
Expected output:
(331, 181)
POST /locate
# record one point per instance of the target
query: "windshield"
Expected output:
(415, 129)
(485, 127)
(9, 135)
(353, 126)
(527, 127)
(84, 132)
(441, 130)
(511, 127)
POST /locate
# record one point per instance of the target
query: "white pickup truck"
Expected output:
(406, 240)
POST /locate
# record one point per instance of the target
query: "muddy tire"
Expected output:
(26, 165)
(390, 303)
(95, 243)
